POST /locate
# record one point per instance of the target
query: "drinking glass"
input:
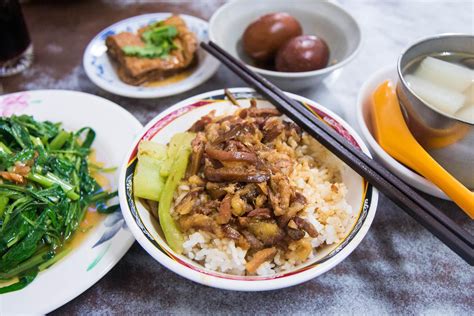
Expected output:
(16, 49)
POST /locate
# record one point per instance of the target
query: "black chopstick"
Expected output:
(463, 239)
(469, 239)
(430, 217)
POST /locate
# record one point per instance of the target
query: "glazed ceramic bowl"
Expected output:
(361, 196)
(363, 112)
(322, 18)
(448, 140)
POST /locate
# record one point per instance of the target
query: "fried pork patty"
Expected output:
(137, 70)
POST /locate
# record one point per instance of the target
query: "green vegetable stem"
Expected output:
(151, 183)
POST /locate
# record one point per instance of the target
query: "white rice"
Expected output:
(215, 254)
(317, 176)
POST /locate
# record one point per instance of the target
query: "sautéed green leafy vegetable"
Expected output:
(46, 187)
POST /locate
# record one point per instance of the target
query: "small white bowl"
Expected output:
(102, 72)
(363, 112)
(322, 18)
(180, 117)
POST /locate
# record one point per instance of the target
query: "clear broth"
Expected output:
(461, 59)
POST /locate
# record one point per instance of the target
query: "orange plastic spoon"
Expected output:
(395, 138)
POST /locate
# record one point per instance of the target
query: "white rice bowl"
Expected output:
(355, 205)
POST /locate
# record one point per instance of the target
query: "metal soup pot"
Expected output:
(449, 140)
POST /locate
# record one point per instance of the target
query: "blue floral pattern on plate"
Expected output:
(113, 223)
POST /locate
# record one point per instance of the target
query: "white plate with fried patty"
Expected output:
(102, 71)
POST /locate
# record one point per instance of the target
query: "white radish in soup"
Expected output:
(445, 100)
(466, 113)
(445, 82)
(469, 95)
(445, 74)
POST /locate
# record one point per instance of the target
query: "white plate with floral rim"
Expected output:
(362, 196)
(102, 72)
(105, 244)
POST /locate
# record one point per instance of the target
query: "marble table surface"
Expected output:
(398, 268)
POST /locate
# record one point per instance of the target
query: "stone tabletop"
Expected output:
(398, 268)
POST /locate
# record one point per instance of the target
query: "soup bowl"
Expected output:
(449, 140)
(361, 196)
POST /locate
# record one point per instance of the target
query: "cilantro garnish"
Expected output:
(158, 41)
